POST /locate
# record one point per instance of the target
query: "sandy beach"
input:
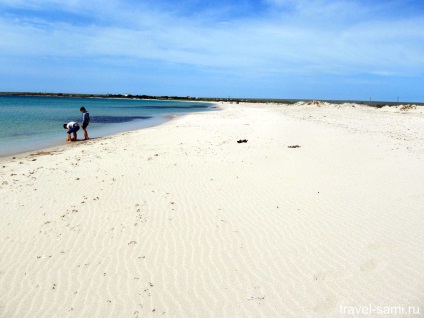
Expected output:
(319, 213)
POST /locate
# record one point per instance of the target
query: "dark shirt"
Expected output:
(85, 117)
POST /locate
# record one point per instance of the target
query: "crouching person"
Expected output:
(72, 127)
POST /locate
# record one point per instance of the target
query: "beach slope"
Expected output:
(319, 212)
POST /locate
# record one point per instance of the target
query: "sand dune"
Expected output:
(180, 220)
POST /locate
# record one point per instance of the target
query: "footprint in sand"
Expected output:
(328, 305)
(331, 275)
(371, 265)
(383, 246)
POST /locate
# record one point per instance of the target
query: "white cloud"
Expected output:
(304, 42)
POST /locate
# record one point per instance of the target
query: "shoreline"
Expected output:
(101, 132)
(175, 219)
(104, 133)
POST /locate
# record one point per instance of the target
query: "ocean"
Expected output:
(30, 123)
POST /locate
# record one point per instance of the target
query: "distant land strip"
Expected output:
(206, 99)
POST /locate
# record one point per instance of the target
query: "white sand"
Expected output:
(180, 220)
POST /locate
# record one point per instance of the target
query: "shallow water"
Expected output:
(29, 122)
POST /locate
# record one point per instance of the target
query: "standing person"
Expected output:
(85, 121)
(72, 127)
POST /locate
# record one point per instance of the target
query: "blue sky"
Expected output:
(304, 49)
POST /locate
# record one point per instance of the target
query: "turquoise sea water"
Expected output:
(28, 123)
